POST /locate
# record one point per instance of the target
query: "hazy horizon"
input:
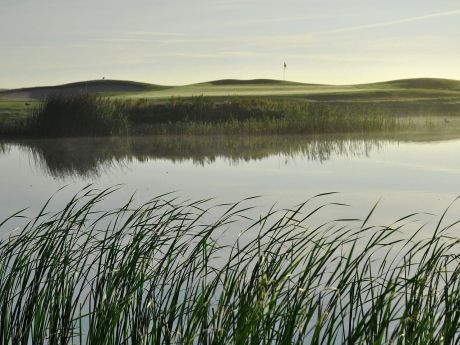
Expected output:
(175, 42)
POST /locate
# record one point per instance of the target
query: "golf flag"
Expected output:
(285, 65)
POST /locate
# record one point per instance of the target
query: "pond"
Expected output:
(405, 172)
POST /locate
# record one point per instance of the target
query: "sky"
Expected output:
(172, 42)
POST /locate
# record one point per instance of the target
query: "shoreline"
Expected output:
(92, 115)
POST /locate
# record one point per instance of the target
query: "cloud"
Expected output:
(260, 42)
(393, 22)
(320, 36)
(155, 34)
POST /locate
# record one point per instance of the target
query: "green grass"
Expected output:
(422, 83)
(169, 272)
(14, 117)
(11, 110)
(422, 88)
(399, 89)
(102, 87)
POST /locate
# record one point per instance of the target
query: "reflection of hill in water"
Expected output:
(88, 157)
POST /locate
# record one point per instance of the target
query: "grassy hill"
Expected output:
(107, 87)
(236, 87)
(421, 83)
(411, 89)
(227, 82)
(398, 89)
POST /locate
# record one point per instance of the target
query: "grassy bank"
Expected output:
(89, 114)
(168, 273)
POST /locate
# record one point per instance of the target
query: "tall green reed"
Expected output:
(162, 273)
(236, 115)
(77, 115)
(90, 115)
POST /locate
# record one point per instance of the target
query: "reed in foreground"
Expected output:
(168, 272)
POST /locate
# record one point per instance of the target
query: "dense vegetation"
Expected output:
(201, 115)
(170, 272)
(89, 114)
(82, 114)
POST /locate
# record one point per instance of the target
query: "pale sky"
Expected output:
(174, 42)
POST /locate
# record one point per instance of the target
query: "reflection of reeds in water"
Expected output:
(75, 158)
(167, 273)
(90, 157)
(4, 148)
(205, 150)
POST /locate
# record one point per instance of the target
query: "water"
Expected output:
(413, 172)
(407, 172)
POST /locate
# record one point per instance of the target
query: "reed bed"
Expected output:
(92, 115)
(171, 272)
(239, 115)
(78, 115)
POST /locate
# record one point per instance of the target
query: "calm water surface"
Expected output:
(406, 172)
